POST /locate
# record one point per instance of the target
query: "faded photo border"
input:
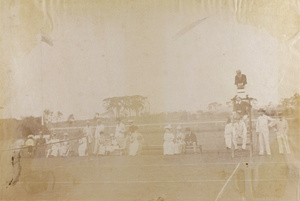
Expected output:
(165, 64)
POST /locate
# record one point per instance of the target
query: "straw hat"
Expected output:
(168, 127)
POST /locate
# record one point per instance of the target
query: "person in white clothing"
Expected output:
(168, 141)
(88, 132)
(282, 128)
(228, 134)
(30, 143)
(239, 131)
(82, 148)
(112, 144)
(55, 146)
(64, 146)
(120, 135)
(134, 142)
(262, 127)
(179, 141)
(99, 129)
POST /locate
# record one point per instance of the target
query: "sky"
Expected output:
(179, 61)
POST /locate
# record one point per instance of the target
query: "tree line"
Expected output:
(126, 105)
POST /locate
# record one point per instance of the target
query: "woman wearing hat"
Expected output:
(99, 129)
(30, 143)
(40, 146)
(168, 144)
(100, 140)
(55, 146)
(179, 141)
(88, 132)
(120, 135)
(64, 146)
(262, 127)
(134, 142)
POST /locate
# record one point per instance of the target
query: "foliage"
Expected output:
(290, 105)
(32, 125)
(49, 116)
(126, 105)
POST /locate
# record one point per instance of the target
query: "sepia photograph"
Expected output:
(150, 100)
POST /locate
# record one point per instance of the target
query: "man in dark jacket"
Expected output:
(190, 139)
(240, 80)
(241, 107)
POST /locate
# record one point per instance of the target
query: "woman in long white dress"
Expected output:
(55, 146)
(179, 141)
(169, 141)
(101, 144)
(134, 142)
(65, 146)
(82, 148)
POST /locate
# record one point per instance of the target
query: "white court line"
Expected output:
(156, 181)
(220, 193)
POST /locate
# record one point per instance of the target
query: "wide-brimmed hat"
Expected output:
(178, 127)
(261, 110)
(65, 134)
(30, 136)
(168, 127)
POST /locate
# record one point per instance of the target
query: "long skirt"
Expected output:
(178, 147)
(82, 149)
(133, 148)
(168, 148)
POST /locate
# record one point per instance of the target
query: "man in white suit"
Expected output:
(282, 129)
(262, 127)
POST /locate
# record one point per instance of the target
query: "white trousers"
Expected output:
(228, 141)
(264, 141)
(283, 140)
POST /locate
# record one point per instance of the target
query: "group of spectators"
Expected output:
(176, 144)
(39, 146)
(127, 142)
